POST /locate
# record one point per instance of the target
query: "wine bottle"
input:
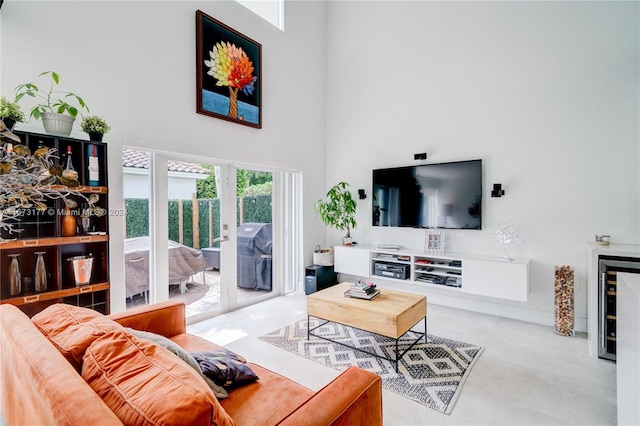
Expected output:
(69, 165)
(94, 167)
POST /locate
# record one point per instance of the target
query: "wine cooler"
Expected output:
(608, 268)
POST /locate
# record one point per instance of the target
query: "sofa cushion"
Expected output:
(185, 356)
(225, 368)
(267, 401)
(144, 383)
(192, 343)
(37, 385)
(56, 318)
(72, 329)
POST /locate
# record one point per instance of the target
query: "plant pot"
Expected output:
(9, 122)
(97, 137)
(57, 124)
(347, 241)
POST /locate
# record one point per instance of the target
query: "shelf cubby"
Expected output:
(41, 232)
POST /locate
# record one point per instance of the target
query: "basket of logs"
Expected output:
(564, 301)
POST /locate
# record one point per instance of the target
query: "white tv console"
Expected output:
(466, 273)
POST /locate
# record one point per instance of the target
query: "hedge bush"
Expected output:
(256, 209)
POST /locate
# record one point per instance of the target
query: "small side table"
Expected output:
(318, 277)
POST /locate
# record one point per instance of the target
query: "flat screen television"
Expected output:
(445, 195)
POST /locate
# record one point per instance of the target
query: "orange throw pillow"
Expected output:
(74, 341)
(56, 318)
(145, 384)
(72, 329)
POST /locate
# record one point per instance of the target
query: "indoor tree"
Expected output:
(338, 210)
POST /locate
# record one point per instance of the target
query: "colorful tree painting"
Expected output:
(231, 67)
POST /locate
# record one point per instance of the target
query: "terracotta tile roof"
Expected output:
(140, 160)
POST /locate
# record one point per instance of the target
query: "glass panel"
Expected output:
(194, 236)
(270, 10)
(254, 235)
(135, 188)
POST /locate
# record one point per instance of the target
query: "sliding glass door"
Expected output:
(254, 235)
(204, 232)
(198, 230)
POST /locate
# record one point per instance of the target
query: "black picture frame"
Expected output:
(228, 73)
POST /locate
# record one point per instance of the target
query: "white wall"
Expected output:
(545, 93)
(180, 186)
(134, 63)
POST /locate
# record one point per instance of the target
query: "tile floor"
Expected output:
(526, 375)
(197, 305)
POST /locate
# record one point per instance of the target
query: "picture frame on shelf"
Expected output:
(228, 73)
(434, 241)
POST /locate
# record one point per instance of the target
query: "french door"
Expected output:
(246, 243)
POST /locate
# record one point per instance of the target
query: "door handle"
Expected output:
(222, 239)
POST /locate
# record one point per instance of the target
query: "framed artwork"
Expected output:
(434, 241)
(228, 73)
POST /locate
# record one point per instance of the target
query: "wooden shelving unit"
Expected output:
(41, 232)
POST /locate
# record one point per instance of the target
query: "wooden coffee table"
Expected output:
(391, 314)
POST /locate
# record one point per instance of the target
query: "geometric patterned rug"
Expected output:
(430, 373)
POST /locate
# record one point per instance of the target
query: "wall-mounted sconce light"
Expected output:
(497, 190)
(361, 194)
(420, 156)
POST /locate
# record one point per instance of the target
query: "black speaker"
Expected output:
(420, 156)
(497, 190)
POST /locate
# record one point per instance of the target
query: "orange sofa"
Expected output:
(40, 387)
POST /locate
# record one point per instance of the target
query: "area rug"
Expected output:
(430, 373)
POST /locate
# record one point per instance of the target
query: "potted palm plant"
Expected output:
(339, 210)
(95, 126)
(10, 113)
(58, 109)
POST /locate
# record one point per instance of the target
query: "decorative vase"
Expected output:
(68, 223)
(15, 279)
(57, 124)
(84, 224)
(41, 272)
(94, 136)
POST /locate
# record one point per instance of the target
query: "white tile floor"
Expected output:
(526, 375)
